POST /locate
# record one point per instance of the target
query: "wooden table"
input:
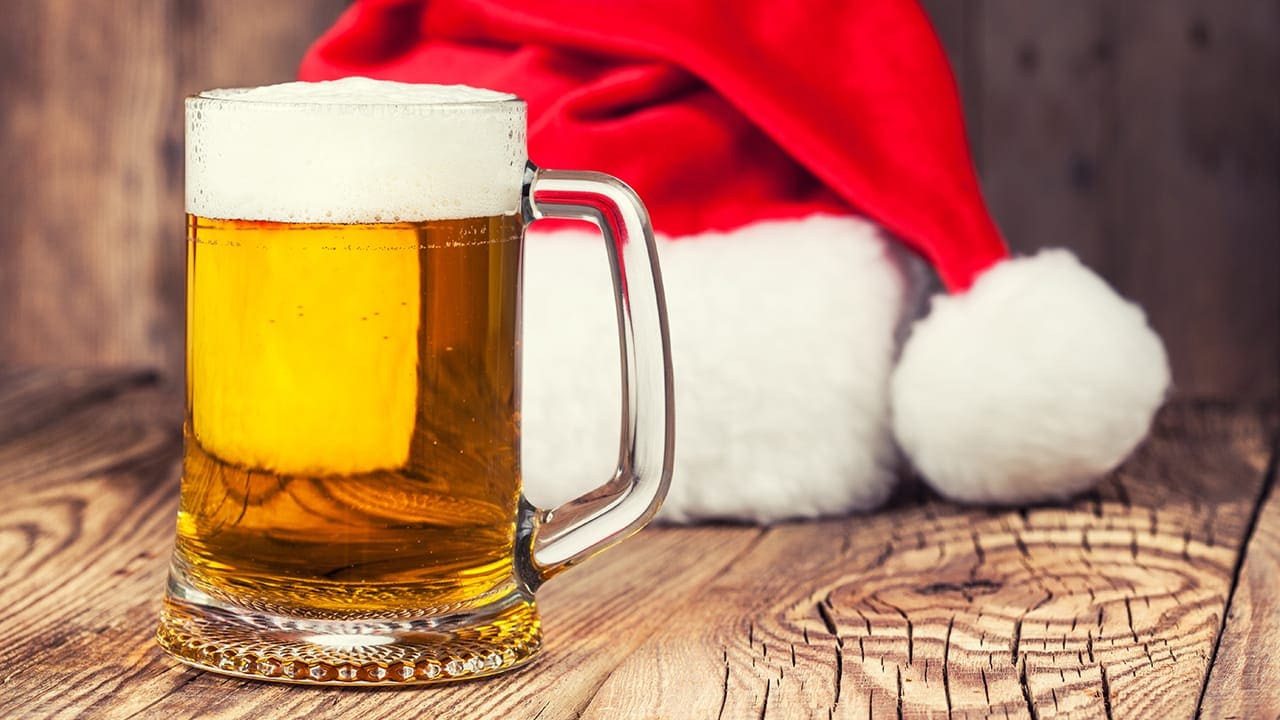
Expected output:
(1154, 597)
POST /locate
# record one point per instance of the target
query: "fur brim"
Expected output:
(783, 341)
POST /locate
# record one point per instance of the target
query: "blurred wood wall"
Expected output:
(92, 252)
(1144, 134)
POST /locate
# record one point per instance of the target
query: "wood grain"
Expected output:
(1108, 607)
(1112, 605)
(91, 199)
(1242, 683)
(89, 503)
(83, 226)
(1145, 136)
(91, 459)
(957, 23)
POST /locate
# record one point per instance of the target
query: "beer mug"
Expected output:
(351, 509)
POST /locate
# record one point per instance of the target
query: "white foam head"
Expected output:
(354, 151)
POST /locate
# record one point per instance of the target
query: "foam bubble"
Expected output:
(354, 150)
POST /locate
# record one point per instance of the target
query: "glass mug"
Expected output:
(351, 508)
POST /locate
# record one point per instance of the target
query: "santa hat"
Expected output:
(783, 149)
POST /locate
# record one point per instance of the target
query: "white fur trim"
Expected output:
(1029, 386)
(782, 340)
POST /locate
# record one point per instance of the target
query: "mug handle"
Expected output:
(550, 541)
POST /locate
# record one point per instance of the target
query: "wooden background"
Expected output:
(1145, 135)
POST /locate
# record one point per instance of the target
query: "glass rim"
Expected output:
(204, 97)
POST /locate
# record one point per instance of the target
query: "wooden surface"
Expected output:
(1152, 597)
(1144, 134)
(1243, 680)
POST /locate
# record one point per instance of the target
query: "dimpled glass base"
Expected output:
(394, 651)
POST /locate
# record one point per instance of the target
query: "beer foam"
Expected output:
(354, 151)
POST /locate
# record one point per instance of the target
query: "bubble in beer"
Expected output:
(354, 151)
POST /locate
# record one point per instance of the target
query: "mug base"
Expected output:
(369, 651)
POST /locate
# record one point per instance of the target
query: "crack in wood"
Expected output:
(764, 706)
(846, 543)
(1106, 692)
(839, 672)
(984, 587)
(1021, 545)
(1095, 501)
(910, 628)
(1128, 611)
(829, 622)
(1026, 691)
(1251, 529)
(946, 662)
(911, 643)
(980, 555)
(900, 699)
(1122, 493)
(1016, 640)
(866, 621)
(885, 553)
(724, 689)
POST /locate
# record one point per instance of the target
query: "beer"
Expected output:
(351, 507)
(352, 439)
(350, 499)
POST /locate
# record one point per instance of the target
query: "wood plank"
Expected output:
(82, 233)
(1107, 606)
(1143, 135)
(593, 618)
(84, 551)
(958, 27)
(32, 398)
(91, 246)
(1242, 683)
(81, 538)
(1042, 70)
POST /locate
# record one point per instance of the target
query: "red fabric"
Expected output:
(718, 114)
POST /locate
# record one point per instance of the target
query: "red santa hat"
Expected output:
(778, 146)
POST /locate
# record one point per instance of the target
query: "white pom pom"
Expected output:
(1030, 386)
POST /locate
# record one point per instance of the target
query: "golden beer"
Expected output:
(352, 439)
